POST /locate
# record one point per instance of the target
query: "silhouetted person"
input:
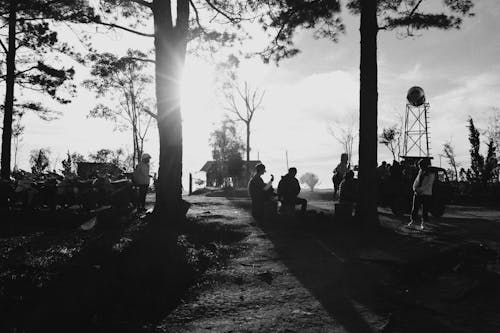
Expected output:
(422, 196)
(348, 188)
(383, 171)
(141, 180)
(395, 171)
(339, 173)
(261, 193)
(289, 189)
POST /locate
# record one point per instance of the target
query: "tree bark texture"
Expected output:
(368, 97)
(9, 93)
(170, 47)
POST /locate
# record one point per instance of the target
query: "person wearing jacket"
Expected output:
(339, 174)
(289, 189)
(348, 191)
(261, 193)
(422, 192)
(141, 180)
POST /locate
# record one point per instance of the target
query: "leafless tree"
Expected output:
(346, 135)
(449, 152)
(243, 102)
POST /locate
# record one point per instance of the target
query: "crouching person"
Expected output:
(288, 191)
(261, 194)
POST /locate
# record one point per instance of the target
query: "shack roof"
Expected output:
(211, 164)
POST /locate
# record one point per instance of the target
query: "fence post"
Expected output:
(190, 183)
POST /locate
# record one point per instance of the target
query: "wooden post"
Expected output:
(190, 183)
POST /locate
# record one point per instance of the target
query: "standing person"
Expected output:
(141, 180)
(289, 189)
(260, 192)
(339, 173)
(422, 187)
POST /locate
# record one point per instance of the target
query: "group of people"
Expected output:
(263, 195)
(345, 188)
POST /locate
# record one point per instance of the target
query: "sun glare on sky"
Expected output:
(304, 95)
(200, 109)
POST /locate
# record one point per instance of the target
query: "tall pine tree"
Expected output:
(476, 159)
(30, 38)
(208, 22)
(407, 16)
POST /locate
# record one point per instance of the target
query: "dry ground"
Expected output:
(223, 272)
(318, 275)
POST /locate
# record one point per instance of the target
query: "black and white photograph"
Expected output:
(247, 166)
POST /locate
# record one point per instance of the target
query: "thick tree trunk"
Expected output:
(170, 49)
(9, 94)
(368, 98)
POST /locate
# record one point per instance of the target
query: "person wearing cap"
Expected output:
(260, 192)
(141, 179)
(422, 187)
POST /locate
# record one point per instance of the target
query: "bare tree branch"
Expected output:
(415, 8)
(143, 3)
(3, 46)
(140, 33)
(223, 13)
(258, 104)
(140, 59)
(154, 115)
(21, 72)
(197, 15)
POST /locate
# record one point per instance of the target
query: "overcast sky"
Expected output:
(458, 69)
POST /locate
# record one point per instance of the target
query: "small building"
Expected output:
(215, 174)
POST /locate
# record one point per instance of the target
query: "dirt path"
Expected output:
(316, 275)
(279, 281)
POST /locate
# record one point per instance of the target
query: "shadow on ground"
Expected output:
(394, 279)
(127, 276)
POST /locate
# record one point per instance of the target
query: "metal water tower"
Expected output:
(416, 142)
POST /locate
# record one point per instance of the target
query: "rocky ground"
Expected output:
(223, 272)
